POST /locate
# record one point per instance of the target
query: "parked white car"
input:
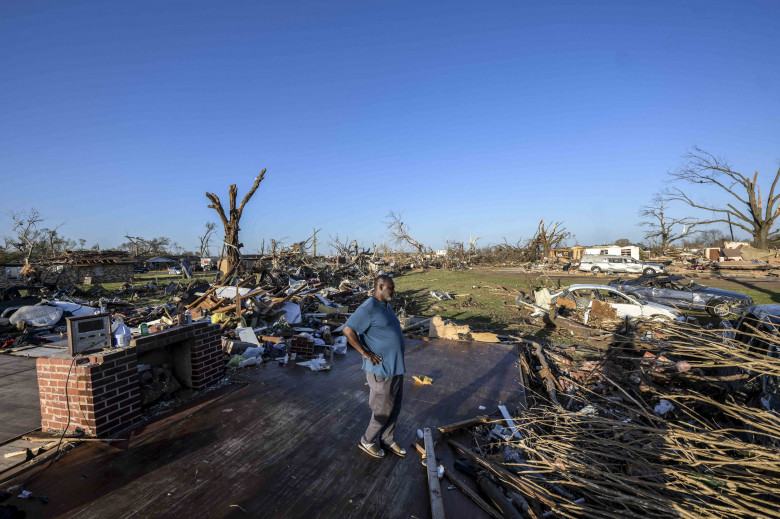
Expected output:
(174, 271)
(625, 305)
(605, 263)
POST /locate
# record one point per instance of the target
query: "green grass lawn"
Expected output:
(485, 300)
(487, 296)
(160, 278)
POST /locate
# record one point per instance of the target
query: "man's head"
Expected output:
(384, 287)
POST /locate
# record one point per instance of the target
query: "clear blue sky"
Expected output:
(470, 118)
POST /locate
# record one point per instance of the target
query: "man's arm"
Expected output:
(352, 337)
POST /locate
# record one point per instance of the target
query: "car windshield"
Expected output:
(608, 296)
(689, 284)
(614, 297)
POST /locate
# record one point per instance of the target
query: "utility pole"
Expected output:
(731, 229)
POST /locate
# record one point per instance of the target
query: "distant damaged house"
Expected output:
(568, 253)
(160, 262)
(614, 250)
(87, 267)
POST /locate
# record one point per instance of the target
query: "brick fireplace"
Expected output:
(104, 394)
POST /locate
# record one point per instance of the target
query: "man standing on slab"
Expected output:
(374, 331)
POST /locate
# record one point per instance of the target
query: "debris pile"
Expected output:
(662, 421)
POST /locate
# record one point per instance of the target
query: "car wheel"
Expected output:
(649, 272)
(718, 308)
(595, 270)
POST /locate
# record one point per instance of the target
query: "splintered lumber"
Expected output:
(416, 325)
(484, 505)
(246, 282)
(523, 370)
(455, 480)
(549, 381)
(528, 488)
(47, 438)
(256, 292)
(434, 489)
(202, 298)
(498, 498)
(286, 298)
(465, 423)
(22, 452)
(510, 422)
(225, 306)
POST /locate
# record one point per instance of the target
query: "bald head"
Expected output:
(384, 287)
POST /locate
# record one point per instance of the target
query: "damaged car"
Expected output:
(597, 263)
(624, 304)
(685, 294)
(758, 328)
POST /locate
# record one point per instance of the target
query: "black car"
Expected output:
(140, 268)
(685, 294)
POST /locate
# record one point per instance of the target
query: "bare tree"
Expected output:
(746, 209)
(399, 233)
(314, 241)
(712, 238)
(342, 248)
(473, 245)
(142, 246)
(25, 226)
(52, 244)
(205, 239)
(230, 222)
(134, 243)
(663, 228)
(547, 237)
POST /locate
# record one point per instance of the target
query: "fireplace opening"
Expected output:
(165, 373)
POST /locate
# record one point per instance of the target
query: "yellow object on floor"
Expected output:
(218, 318)
(423, 380)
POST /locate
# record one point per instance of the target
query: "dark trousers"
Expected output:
(384, 399)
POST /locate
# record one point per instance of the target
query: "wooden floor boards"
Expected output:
(285, 445)
(20, 408)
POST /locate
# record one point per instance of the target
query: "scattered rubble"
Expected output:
(634, 418)
(661, 420)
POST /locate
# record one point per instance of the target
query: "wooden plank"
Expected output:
(510, 422)
(434, 488)
(465, 423)
(288, 296)
(474, 496)
(41, 436)
(202, 298)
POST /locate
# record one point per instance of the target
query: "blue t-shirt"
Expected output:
(379, 331)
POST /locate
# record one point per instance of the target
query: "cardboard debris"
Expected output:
(602, 310)
(457, 332)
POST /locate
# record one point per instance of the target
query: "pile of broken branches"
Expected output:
(666, 422)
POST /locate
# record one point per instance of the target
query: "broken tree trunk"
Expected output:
(230, 222)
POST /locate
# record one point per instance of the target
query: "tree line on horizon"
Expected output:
(746, 209)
